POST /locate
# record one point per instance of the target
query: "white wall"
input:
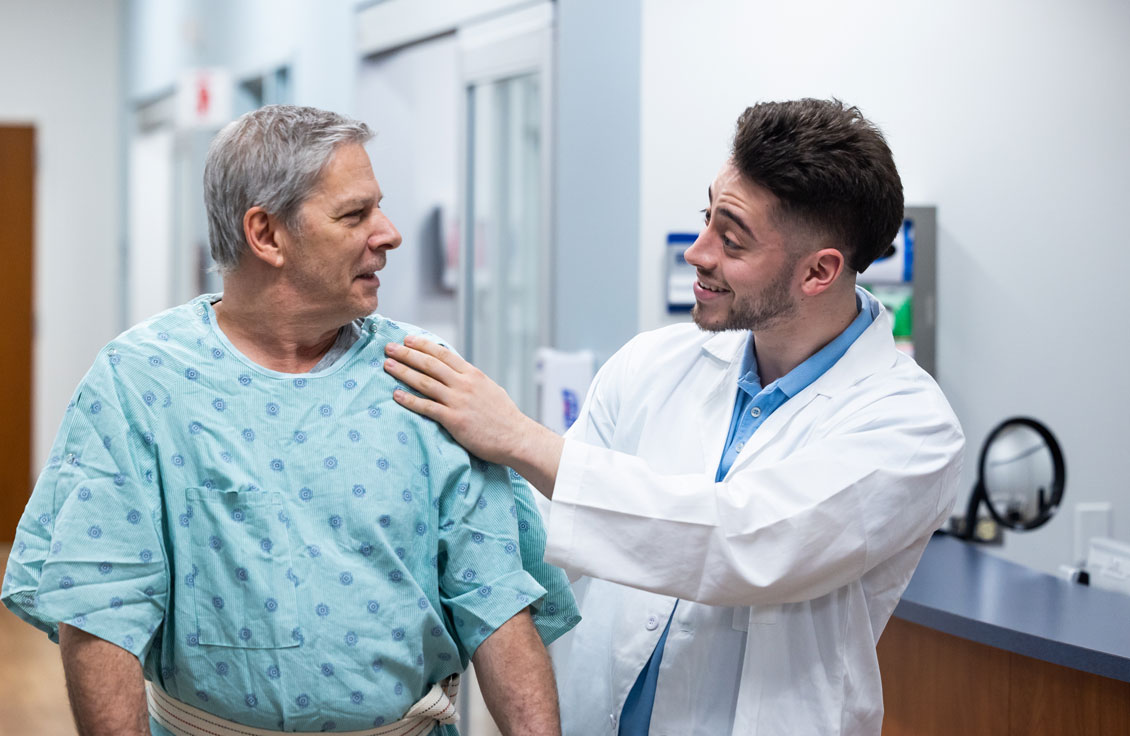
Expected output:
(1010, 117)
(60, 71)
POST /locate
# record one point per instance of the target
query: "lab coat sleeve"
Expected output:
(773, 533)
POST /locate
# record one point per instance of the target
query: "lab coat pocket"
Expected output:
(744, 616)
(241, 555)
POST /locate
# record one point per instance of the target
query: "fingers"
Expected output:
(418, 404)
(414, 379)
(448, 357)
(415, 356)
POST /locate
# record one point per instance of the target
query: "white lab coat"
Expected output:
(794, 562)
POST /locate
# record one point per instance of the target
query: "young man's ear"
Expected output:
(822, 268)
(262, 231)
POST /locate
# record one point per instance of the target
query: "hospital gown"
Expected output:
(293, 552)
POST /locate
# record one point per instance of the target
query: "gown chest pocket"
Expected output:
(242, 594)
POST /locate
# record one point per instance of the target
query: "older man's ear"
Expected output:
(262, 232)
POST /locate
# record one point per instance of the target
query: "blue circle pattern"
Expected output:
(238, 515)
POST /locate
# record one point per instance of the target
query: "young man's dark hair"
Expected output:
(830, 168)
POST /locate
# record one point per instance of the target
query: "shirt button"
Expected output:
(612, 718)
(70, 459)
(755, 412)
(739, 446)
(652, 623)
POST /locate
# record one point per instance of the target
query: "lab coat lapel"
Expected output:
(722, 358)
(873, 351)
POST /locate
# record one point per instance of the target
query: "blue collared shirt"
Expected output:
(752, 407)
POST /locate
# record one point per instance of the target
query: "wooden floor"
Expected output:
(33, 698)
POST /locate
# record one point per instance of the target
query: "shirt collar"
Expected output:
(818, 363)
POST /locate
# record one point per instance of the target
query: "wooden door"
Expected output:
(17, 218)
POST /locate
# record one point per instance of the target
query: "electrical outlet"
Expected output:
(1092, 519)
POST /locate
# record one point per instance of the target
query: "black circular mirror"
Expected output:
(1020, 477)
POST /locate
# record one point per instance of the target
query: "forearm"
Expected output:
(516, 680)
(105, 684)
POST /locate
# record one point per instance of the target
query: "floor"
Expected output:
(34, 697)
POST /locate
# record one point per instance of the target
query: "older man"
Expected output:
(236, 510)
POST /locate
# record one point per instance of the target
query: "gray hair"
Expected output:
(270, 158)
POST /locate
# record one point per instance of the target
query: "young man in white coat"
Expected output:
(746, 496)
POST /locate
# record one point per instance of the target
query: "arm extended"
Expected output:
(517, 681)
(105, 684)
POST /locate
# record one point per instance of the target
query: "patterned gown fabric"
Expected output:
(294, 552)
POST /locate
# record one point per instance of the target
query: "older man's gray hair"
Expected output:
(270, 158)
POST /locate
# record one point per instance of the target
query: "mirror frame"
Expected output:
(980, 494)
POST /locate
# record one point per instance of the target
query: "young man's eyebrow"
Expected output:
(734, 218)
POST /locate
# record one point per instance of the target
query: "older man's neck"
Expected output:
(272, 329)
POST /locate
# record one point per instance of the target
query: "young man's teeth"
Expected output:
(709, 288)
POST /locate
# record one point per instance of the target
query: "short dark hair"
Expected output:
(830, 168)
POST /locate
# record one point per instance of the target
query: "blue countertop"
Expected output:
(962, 590)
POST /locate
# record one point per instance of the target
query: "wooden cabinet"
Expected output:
(935, 683)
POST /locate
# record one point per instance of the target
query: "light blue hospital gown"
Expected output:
(292, 552)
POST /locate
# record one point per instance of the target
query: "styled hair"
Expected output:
(272, 158)
(831, 170)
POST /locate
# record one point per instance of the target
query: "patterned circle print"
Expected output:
(273, 409)
(183, 519)
(322, 610)
(437, 631)
(149, 398)
(378, 664)
(350, 639)
(251, 700)
(248, 435)
(358, 490)
(245, 634)
(314, 550)
(191, 374)
(56, 546)
(462, 489)
(302, 700)
(354, 435)
(192, 639)
(327, 669)
(145, 555)
(215, 542)
(325, 410)
(241, 574)
(406, 495)
(273, 672)
(66, 582)
(178, 460)
(96, 407)
(398, 689)
(523, 525)
(330, 463)
(305, 494)
(271, 605)
(468, 575)
(422, 603)
(238, 515)
(383, 463)
(217, 602)
(485, 591)
(402, 437)
(375, 412)
(277, 465)
(222, 669)
(84, 494)
(95, 531)
(219, 405)
(373, 607)
(356, 697)
(395, 576)
(300, 383)
(195, 427)
(266, 544)
(346, 578)
(244, 380)
(421, 528)
(384, 520)
(155, 361)
(398, 634)
(477, 537)
(335, 521)
(349, 385)
(217, 354)
(366, 549)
